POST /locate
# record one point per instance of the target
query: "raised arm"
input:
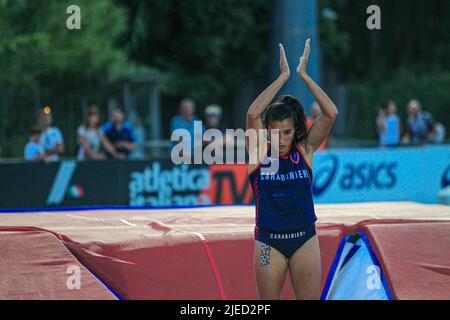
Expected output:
(260, 104)
(322, 125)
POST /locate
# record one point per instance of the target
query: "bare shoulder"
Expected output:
(307, 151)
(256, 157)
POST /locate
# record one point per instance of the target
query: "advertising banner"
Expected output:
(339, 176)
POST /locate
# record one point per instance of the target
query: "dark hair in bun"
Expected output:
(287, 107)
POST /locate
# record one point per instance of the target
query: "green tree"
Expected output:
(40, 56)
(36, 47)
(408, 58)
(209, 47)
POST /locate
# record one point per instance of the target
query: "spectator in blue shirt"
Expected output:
(51, 138)
(185, 120)
(388, 125)
(441, 131)
(33, 150)
(420, 125)
(119, 134)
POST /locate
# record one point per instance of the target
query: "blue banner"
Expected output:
(360, 175)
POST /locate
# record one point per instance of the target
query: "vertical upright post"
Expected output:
(155, 113)
(3, 113)
(70, 145)
(111, 104)
(294, 22)
(127, 99)
(155, 117)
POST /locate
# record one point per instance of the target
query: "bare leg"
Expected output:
(270, 271)
(305, 270)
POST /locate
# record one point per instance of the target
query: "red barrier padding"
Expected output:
(185, 270)
(330, 238)
(206, 253)
(181, 271)
(414, 256)
(34, 264)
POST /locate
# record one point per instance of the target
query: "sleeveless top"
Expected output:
(283, 199)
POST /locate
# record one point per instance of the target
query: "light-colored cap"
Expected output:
(213, 110)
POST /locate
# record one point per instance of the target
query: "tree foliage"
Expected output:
(41, 57)
(209, 47)
(408, 58)
(36, 47)
(413, 36)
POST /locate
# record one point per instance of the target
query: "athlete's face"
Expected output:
(286, 134)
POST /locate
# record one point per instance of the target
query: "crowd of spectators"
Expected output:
(212, 120)
(420, 126)
(115, 139)
(46, 141)
(119, 139)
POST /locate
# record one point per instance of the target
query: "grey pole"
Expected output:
(155, 117)
(294, 22)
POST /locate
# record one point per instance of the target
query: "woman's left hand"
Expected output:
(301, 69)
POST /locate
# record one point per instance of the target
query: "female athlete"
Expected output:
(285, 234)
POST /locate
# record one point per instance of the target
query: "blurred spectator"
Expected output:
(120, 138)
(315, 113)
(185, 120)
(440, 133)
(139, 152)
(213, 114)
(388, 124)
(90, 136)
(33, 149)
(420, 125)
(51, 138)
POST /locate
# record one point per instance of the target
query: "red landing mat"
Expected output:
(37, 265)
(204, 253)
(415, 257)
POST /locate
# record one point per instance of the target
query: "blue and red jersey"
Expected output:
(283, 199)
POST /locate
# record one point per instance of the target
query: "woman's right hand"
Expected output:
(284, 66)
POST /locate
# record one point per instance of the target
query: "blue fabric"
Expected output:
(179, 123)
(50, 138)
(420, 126)
(350, 254)
(357, 275)
(126, 133)
(32, 150)
(391, 134)
(118, 207)
(333, 268)
(284, 199)
(377, 262)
